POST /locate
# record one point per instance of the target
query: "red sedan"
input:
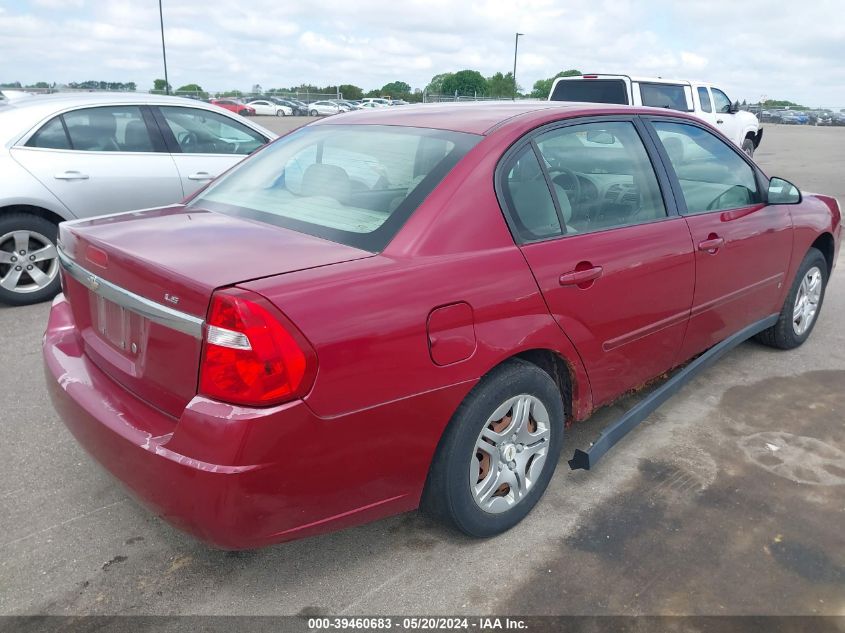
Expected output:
(406, 307)
(234, 106)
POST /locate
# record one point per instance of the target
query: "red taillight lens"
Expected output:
(252, 355)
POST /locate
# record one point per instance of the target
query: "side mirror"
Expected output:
(734, 107)
(782, 192)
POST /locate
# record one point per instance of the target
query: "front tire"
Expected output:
(802, 305)
(314, 113)
(499, 452)
(280, 113)
(29, 264)
(748, 147)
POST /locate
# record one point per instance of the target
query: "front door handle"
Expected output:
(71, 175)
(201, 175)
(711, 244)
(719, 121)
(578, 277)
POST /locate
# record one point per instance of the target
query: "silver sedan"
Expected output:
(76, 155)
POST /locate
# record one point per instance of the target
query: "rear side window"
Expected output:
(51, 136)
(527, 194)
(108, 129)
(591, 91)
(704, 97)
(352, 184)
(670, 96)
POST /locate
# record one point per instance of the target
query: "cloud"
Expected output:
(749, 48)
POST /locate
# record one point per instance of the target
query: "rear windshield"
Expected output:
(591, 91)
(352, 184)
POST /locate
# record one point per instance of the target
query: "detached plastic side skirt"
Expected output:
(639, 412)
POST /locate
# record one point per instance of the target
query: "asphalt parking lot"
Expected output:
(729, 500)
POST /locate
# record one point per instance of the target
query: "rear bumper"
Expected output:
(241, 478)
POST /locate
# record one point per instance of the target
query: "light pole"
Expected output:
(515, 48)
(163, 51)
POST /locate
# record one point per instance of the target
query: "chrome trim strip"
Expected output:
(151, 310)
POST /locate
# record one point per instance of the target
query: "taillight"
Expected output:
(252, 355)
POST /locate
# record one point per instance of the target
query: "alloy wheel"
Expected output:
(28, 261)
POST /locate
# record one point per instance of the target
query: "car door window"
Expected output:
(664, 96)
(527, 194)
(51, 136)
(108, 129)
(713, 177)
(601, 176)
(704, 97)
(721, 101)
(205, 132)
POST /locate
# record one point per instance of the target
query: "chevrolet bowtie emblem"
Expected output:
(93, 283)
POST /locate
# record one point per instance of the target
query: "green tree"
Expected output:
(192, 89)
(159, 85)
(11, 84)
(543, 87)
(435, 86)
(396, 89)
(500, 85)
(231, 93)
(465, 83)
(350, 91)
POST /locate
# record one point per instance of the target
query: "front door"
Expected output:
(205, 143)
(742, 245)
(615, 268)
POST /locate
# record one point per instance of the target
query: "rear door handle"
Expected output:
(577, 277)
(71, 175)
(201, 175)
(711, 244)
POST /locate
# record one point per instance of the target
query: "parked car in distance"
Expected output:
(297, 107)
(268, 108)
(411, 306)
(703, 100)
(324, 108)
(396, 102)
(820, 117)
(76, 155)
(377, 101)
(343, 105)
(233, 106)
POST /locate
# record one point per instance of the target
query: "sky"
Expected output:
(750, 48)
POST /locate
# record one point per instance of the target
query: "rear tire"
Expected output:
(314, 113)
(748, 147)
(24, 281)
(492, 466)
(802, 305)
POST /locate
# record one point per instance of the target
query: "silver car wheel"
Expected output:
(510, 453)
(807, 301)
(28, 262)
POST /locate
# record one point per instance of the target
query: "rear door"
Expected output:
(612, 258)
(204, 143)
(743, 246)
(103, 159)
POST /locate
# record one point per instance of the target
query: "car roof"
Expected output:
(482, 117)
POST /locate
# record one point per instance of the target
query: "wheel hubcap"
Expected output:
(510, 453)
(28, 262)
(807, 301)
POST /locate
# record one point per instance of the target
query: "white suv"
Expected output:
(703, 100)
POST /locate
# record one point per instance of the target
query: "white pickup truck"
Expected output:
(703, 100)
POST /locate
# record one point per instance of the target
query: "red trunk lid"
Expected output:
(174, 258)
